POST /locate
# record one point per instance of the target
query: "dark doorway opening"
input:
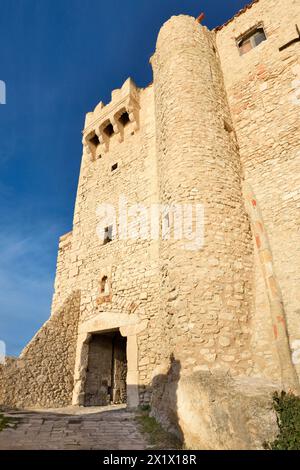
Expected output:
(107, 370)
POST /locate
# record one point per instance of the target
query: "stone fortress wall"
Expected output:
(215, 128)
(205, 293)
(264, 97)
(43, 374)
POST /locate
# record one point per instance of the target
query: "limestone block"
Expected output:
(216, 412)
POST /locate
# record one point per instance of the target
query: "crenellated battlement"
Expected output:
(110, 119)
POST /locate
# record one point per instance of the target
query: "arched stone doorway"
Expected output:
(129, 327)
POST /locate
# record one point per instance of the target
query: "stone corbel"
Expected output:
(103, 146)
(103, 138)
(116, 118)
(118, 130)
(133, 112)
(86, 147)
(91, 150)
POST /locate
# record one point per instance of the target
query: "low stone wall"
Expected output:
(214, 411)
(43, 375)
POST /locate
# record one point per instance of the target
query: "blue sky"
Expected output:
(59, 58)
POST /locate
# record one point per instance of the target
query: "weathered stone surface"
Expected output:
(43, 375)
(216, 412)
(212, 124)
(74, 429)
(263, 91)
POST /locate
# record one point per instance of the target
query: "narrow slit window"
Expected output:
(104, 286)
(114, 167)
(166, 224)
(167, 220)
(251, 40)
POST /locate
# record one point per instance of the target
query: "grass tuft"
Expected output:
(157, 436)
(287, 407)
(4, 422)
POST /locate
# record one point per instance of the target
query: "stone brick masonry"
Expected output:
(216, 128)
(43, 374)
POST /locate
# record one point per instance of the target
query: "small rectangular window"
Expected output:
(251, 40)
(114, 167)
(245, 46)
(108, 234)
(259, 37)
(167, 220)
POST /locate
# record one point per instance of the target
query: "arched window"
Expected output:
(251, 40)
(104, 286)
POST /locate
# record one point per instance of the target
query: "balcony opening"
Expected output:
(109, 130)
(94, 140)
(124, 119)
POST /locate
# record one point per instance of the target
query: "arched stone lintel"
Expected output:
(129, 326)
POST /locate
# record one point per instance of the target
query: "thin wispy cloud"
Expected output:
(63, 65)
(26, 283)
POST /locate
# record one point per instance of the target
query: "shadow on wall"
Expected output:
(205, 410)
(164, 402)
(213, 410)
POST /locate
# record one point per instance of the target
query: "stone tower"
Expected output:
(204, 290)
(144, 309)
